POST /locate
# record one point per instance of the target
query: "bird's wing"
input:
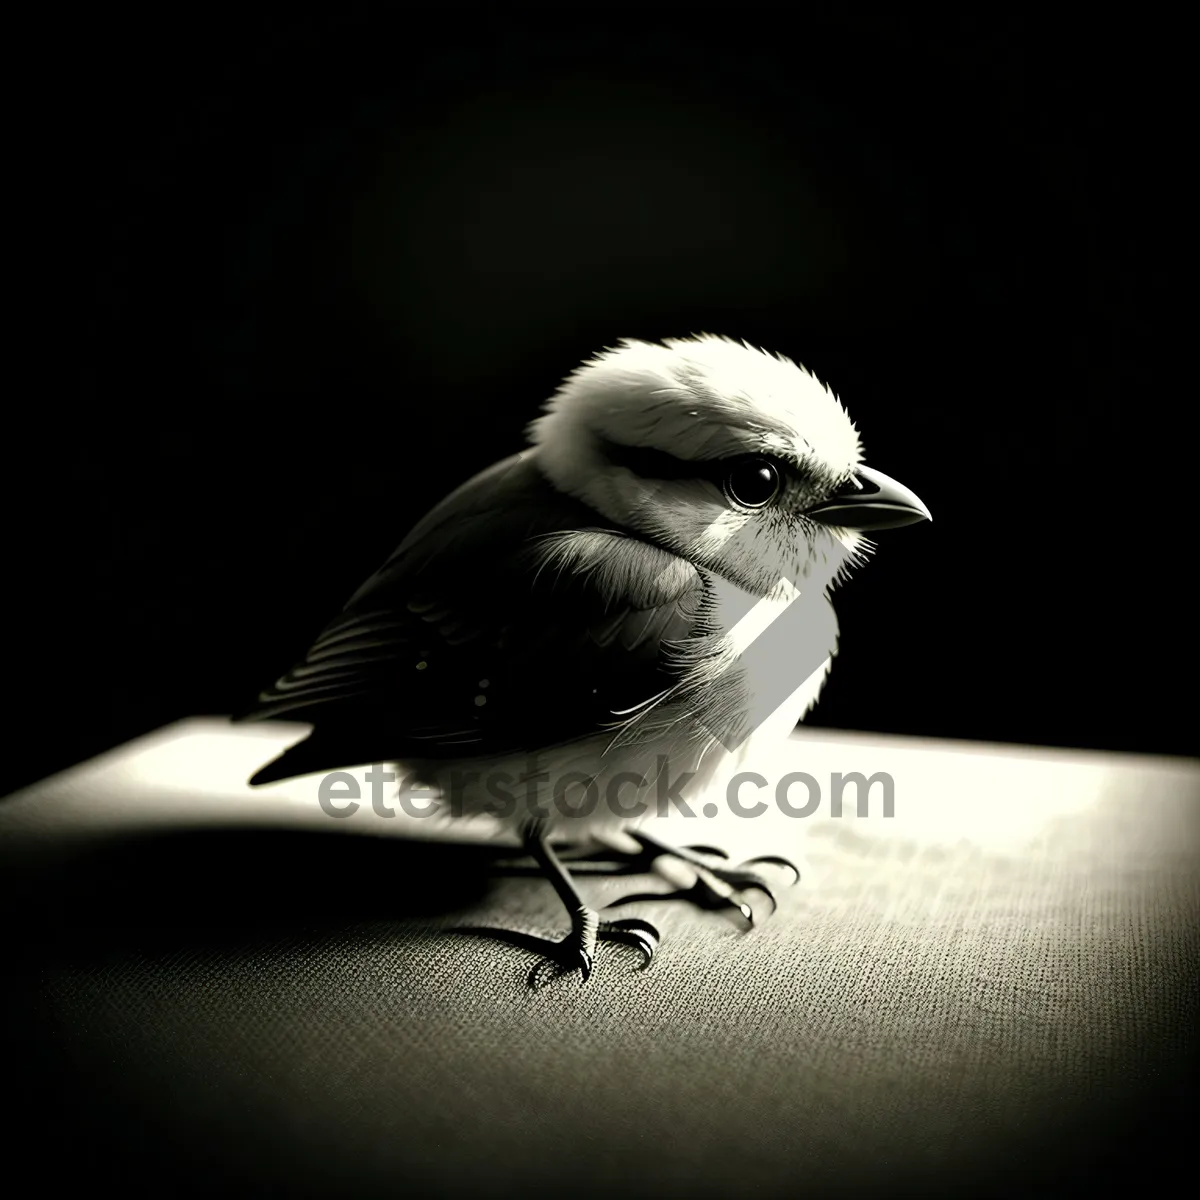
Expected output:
(508, 620)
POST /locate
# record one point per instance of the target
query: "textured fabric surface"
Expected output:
(992, 991)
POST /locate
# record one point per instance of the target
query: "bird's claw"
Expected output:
(752, 878)
(640, 935)
(567, 953)
(715, 851)
(778, 861)
(703, 894)
(716, 885)
(741, 880)
(632, 932)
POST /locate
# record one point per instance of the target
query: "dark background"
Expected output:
(307, 278)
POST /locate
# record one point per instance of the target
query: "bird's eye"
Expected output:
(753, 484)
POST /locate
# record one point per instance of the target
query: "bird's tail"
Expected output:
(305, 758)
(321, 751)
(277, 769)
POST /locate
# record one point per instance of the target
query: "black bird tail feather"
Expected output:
(322, 750)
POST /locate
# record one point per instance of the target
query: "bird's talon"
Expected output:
(744, 880)
(766, 891)
(778, 861)
(715, 851)
(567, 955)
(641, 935)
(638, 897)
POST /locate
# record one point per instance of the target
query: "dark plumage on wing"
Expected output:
(456, 646)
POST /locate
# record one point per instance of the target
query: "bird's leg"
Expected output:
(714, 886)
(578, 948)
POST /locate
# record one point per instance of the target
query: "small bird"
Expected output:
(640, 597)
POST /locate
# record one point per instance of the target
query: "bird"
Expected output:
(641, 595)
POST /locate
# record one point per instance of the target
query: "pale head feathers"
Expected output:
(701, 398)
(704, 400)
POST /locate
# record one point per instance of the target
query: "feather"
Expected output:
(560, 652)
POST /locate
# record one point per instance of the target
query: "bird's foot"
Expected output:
(578, 950)
(709, 885)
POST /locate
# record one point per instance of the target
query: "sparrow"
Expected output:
(640, 597)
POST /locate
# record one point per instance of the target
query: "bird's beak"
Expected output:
(871, 500)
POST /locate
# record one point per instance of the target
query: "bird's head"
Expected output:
(739, 461)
